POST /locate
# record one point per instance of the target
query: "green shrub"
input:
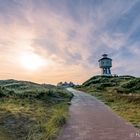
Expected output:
(133, 84)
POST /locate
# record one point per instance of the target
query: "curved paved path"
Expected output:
(90, 119)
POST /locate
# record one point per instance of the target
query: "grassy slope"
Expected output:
(29, 111)
(122, 94)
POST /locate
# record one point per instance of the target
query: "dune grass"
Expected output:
(31, 111)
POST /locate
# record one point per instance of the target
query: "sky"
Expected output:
(48, 41)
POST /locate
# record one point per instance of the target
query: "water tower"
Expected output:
(105, 64)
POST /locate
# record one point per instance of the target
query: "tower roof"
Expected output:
(104, 56)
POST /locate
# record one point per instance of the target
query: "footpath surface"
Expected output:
(90, 119)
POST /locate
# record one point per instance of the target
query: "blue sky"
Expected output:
(67, 37)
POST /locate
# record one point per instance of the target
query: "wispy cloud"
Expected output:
(70, 36)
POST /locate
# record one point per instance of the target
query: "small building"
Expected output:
(66, 84)
(105, 63)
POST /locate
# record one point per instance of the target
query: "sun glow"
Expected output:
(31, 61)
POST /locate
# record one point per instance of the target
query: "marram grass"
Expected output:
(34, 112)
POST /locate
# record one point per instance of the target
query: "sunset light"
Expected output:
(31, 61)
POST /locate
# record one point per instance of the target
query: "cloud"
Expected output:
(71, 35)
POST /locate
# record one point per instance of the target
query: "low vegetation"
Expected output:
(121, 93)
(30, 111)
